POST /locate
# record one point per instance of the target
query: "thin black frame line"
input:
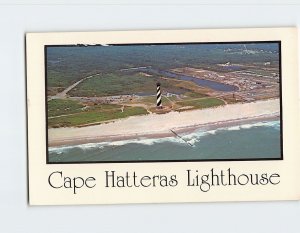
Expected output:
(46, 102)
(168, 161)
(280, 101)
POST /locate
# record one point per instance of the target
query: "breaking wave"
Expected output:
(274, 124)
(196, 136)
(190, 138)
(59, 150)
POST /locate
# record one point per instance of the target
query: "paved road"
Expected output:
(63, 94)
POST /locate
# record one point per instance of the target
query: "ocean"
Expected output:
(259, 140)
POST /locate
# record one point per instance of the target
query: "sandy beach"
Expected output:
(155, 125)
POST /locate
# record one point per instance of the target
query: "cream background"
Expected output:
(40, 193)
(17, 216)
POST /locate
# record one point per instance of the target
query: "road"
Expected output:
(63, 94)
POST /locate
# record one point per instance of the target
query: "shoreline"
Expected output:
(182, 131)
(161, 125)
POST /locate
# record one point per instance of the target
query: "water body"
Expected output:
(249, 141)
(201, 82)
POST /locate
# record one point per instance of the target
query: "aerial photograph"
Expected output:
(163, 102)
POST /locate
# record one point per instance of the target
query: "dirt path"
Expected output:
(172, 102)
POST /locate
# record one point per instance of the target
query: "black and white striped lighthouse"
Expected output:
(158, 96)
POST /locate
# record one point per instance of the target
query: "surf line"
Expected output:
(177, 135)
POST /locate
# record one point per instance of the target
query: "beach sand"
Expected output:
(160, 125)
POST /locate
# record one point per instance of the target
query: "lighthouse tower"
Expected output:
(158, 96)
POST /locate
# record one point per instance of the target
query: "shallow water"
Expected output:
(201, 82)
(249, 141)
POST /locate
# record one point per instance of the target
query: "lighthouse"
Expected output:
(158, 96)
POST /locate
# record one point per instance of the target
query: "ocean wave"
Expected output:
(87, 146)
(195, 137)
(144, 141)
(274, 124)
(184, 139)
(102, 145)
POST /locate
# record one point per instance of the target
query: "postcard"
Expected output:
(163, 116)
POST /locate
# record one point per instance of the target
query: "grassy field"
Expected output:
(199, 103)
(195, 94)
(69, 113)
(125, 84)
(57, 107)
(95, 115)
(111, 84)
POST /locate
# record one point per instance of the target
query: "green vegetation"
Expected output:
(126, 84)
(111, 84)
(200, 103)
(66, 65)
(95, 115)
(58, 107)
(67, 112)
(103, 107)
(58, 79)
(107, 66)
(194, 94)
